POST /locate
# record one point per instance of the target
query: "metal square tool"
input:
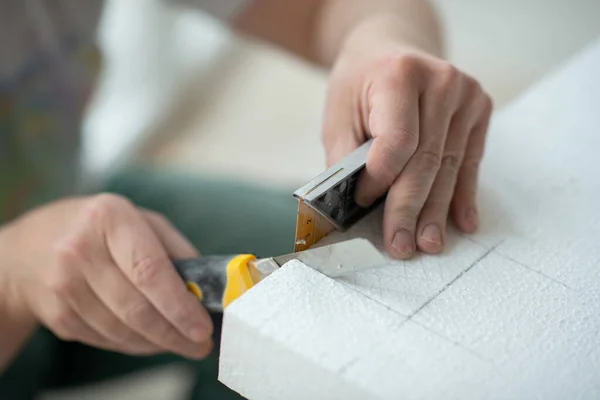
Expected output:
(328, 203)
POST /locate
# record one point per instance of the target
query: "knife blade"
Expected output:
(217, 281)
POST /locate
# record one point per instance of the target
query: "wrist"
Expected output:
(12, 303)
(18, 323)
(380, 32)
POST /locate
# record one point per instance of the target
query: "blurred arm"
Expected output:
(16, 324)
(15, 330)
(317, 29)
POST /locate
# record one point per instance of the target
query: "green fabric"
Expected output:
(218, 217)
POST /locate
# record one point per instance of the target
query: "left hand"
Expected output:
(428, 120)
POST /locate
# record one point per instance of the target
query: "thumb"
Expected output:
(176, 245)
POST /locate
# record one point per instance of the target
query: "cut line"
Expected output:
(456, 278)
(454, 342)
(354, 289)
(401, 325)
(527, 267)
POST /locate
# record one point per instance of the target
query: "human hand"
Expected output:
(428, 121)
(97, 270)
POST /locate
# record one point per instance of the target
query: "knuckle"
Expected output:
(68, 253)
(449, 76)
(61, 283)
(140, 315)
(154, 215)
(158, 218)
(103, 205)
(61, 286)
(472, 85)
(470, 81)
(118, 333)
(428, 160)
(471, 164)
(488, 104)
(60, 319)
(71, 251)
(451, 161)
(145, 269)
(402, 64)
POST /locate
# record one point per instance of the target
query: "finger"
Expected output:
(405, 200)
(177, 246)
(343, 130)
(464, 205)
(408, 194)
(134, 310)
(394, 125)
(140, 255)
(66, 324)
(98, 317)
(431, 227)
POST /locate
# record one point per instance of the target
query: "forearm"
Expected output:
(318, 29)
(410, 22)
(16, 324)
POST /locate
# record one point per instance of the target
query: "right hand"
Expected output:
(97, 270)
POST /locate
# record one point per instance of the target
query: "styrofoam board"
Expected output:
(512, 312)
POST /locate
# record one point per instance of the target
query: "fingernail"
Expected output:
(199, 333)
(432, 234)
(471, 217)
(403, 242)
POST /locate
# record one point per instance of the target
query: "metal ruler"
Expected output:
(327, 202)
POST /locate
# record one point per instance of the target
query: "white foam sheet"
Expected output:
(512, 312)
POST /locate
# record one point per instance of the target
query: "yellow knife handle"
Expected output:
(218, 280)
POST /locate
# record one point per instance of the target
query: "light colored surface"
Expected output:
(247, 95)
(513, 312)
(248, 100)
(255, 328)
(325, 341)
(150, 52)
(510, 44)
(260, 116)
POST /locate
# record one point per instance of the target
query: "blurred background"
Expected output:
(179, 90)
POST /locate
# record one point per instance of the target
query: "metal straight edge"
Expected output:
(339, 258)
(332, 260)
(333, 175)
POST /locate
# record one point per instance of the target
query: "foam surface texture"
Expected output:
(512, 312)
